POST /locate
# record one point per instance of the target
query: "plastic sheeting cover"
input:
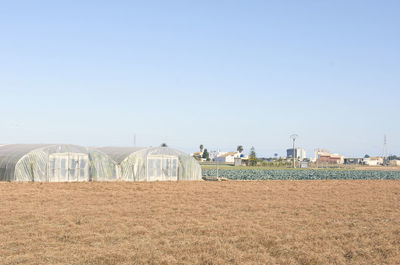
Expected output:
(77, 163)
(154, 163)
(119, 154)
(54, 163)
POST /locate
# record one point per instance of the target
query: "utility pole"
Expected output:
(216, 163)
(385, 151)
(293, 137)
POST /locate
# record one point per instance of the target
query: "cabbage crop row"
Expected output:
(284, 174)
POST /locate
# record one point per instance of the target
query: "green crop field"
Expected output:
(300, 174)
(231, 167)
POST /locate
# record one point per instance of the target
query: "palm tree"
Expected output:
(240, 149)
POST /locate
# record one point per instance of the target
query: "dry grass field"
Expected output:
(249, 222)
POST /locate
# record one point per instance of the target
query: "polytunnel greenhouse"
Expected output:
(153, 164)
(54, 163)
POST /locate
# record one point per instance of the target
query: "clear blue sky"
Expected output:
(218, 73)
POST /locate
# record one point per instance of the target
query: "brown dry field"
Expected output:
(233, 222)
(376, 168)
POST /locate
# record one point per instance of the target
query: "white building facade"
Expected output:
(227, 157)
(373, 161)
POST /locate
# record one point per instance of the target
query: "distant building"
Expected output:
(213, 154)
(303, 164)
(324, 156)
(394, 163)
(198, 156)
(238, 161)
(373, 161)
(298, 153)
(228, 157)
(353, 161)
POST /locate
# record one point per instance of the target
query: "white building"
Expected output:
(373, 161)
(298, 153)
(214, 154)
(394, 163)
(227, 157)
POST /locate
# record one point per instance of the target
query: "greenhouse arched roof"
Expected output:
(22, 161)
(118, 153)
(14, 152)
